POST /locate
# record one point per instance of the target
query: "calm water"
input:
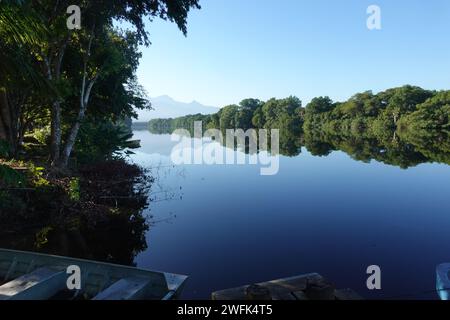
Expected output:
(227, 226)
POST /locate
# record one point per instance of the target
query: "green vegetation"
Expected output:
(401, 126)
(67, 98)
(66, 81)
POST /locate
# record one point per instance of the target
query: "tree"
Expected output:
(319, 105)
(20, 30)
(404, 100)
(98, 16)
(258, 120)
(433, 114)
(228, 117)
(245, 113)
(276, 109)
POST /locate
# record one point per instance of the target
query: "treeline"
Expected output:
(407, 114)
(286, 114)
(404, 109)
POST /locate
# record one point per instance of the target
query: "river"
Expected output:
(227, 225)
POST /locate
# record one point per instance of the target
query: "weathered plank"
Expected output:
(279, 289)
(40, 284)
(304, 287)
(125, 289)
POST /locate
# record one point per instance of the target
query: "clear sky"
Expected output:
(264, 48)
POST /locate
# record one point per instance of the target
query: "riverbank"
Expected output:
(94, 211)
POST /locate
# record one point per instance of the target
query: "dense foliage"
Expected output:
(67, 97)
(64, 79)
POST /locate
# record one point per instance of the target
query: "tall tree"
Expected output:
(20, 30)
(97, 16)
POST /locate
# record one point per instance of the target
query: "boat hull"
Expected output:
(95, 276)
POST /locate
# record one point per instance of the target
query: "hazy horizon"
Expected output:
(164, 106)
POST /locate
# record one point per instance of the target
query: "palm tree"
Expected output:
(20, 31)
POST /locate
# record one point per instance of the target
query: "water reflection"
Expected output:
(323, 212)
(390, 148)
(227, 226)
(106, 224)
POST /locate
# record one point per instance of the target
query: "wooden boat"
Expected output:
(35, 276)
(311, 286)
(443, 281)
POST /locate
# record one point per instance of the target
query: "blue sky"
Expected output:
(237, 49)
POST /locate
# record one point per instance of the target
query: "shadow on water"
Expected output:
(105, 223)
(109, 224)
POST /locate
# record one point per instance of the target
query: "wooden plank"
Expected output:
(303, 287)
(40, 284)
(279, 289)
(125, 289)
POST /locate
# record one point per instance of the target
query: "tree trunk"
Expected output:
(84, 101)
(8, 126)
(55, 133)
(4, 116)
(54, 74)
(71, 140)
(85, 93)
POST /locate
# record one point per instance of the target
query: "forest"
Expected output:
(401, 126)
(67, 99)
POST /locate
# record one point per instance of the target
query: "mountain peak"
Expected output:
(164, 97)
(165, 106)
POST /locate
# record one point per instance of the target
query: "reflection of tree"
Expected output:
(114, 220)
(118, 239)
(387, 146)
(316, 145)
(394, 151)
(290, 143)
(106, 223)
(435, 146)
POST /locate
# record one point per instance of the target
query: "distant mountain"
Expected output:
(166, 107)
